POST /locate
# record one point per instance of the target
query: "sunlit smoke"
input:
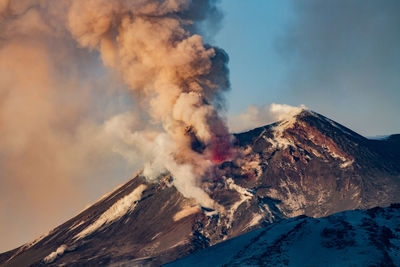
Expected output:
(68, 69)
(155, 47)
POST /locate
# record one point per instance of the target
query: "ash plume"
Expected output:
(56, 107)
(65, 65)
(155, 46)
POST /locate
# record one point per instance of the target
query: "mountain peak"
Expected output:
(304, 164)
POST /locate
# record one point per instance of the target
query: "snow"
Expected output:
(156, 235)
(279, 141)
(186, 211)
(221, 253)
(352, 238)
(116, 211)
(76, 225)
(108, 194)
(346, 164)
(52, 256)
(254, 221)
(244, 196)
(296, 202)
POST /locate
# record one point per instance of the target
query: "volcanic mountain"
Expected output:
(306, 164)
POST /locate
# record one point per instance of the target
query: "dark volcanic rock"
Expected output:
(320, 167)
(305, 165)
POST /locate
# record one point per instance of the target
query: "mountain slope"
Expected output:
(304, 165)
(351, 238)
(317, 167)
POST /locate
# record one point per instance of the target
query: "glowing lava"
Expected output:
(221, 150)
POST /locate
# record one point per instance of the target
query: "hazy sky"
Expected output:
(60, 123)
(339, 58)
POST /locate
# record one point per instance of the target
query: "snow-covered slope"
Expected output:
(303, 165)
(351, 238)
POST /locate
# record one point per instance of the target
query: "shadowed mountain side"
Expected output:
(303, 165)
(352, 238)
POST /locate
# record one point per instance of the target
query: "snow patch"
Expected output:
(186, 211)
(295, 202)
(255, 220)
(287, 116)
(106, 195)
(76, 225)
(156, 235)
(346, 164)
(116, 211)
(244, 196)
(52, 256)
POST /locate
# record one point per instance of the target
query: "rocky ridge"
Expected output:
(304, 165)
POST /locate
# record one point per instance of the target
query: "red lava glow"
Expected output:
(221, 150)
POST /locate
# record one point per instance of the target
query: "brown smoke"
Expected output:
(149, 42)
(63, 114)
(53, 143)
(154, 45)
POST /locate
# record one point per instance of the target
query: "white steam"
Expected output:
(257, 116)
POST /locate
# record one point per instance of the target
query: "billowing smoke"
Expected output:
(56, 104)
(154, 46)
(80, 80)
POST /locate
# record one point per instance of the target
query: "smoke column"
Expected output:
(154, 46)
(65, 65)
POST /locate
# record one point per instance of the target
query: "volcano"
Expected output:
(304, 165)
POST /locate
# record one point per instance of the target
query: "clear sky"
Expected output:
(340, 59)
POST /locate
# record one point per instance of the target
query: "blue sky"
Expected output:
(341, 60)
(249, 35)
